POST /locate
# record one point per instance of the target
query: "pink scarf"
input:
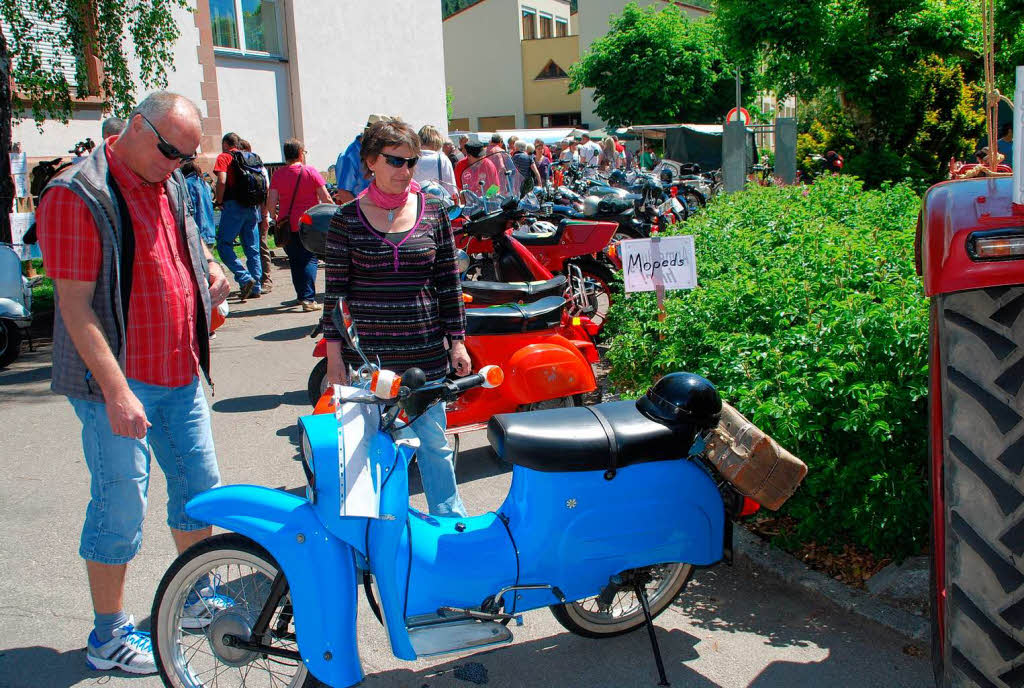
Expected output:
(388, 201)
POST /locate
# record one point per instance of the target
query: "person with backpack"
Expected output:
(295, 189)
(241, 190)
(266, 283)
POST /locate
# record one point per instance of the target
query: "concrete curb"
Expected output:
(794, 572)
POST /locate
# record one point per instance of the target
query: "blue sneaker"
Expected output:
(129, 650)
(199, 609)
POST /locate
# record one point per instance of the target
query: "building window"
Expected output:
(551, 71)
(74, 59)
(546, 28)
(529, 23)
(561, 27)
(259, 31)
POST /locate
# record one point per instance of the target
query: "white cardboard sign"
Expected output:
(667, 262)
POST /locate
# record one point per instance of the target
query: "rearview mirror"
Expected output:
(454, 212)
(342, 319)
(462, 260)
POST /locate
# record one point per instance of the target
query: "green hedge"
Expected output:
(810, 319)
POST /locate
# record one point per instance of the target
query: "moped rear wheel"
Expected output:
(317, 384)
(240, 574)
(10, 342)
(616, 610)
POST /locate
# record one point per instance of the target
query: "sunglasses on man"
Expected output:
(397, 161)
(165, 148)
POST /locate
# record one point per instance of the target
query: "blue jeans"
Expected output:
(237, 220)
(304, 265)
(182, 442)
(437, 469)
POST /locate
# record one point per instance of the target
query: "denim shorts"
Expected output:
(181, 440)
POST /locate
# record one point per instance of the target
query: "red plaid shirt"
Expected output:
(161, 337)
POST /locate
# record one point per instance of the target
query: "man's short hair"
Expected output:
(495, 138)
(112, 126)
(586, 136)
(1005, 129)
(159, 104)
(232, 139)
(245, 145)
(292, 150)
(521, 145)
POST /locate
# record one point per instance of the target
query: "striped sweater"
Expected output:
(405, 298)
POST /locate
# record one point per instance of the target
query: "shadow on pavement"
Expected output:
(279, 308)
(286, 335)
(260, 402)
(28, 376)
(23, 667)
(625, 660)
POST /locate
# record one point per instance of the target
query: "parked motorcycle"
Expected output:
(608, 512)
(15, 305)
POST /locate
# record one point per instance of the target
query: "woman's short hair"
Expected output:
(530, 149)
(430, 137)
(521, 145)
(292, 150)
(385, 134)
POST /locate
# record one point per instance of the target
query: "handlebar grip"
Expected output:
(469, 382)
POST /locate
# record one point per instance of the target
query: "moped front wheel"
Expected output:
(230, 577)
(317, 383)
(616, 610)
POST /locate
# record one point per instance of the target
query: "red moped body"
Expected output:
(579, 238)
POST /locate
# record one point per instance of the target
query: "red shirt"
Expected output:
(284, 182)
(223, 164)
(460, 167)
(161, 345)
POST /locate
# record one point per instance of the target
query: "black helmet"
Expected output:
(617, 177)
(666, 175)
(682, 398)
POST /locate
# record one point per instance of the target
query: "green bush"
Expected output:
(809, 318)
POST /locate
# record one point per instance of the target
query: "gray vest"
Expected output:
(91, 181)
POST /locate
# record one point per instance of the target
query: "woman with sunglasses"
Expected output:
(391, 254)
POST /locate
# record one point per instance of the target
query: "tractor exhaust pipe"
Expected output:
(1018, 142)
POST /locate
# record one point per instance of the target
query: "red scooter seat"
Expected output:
(545, 314)
(576, 439)
(499, 293)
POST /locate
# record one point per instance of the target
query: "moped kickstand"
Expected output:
(641, 594)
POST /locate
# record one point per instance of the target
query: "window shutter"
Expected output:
(48, 48)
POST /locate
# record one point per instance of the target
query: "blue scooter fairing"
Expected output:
(320, 570)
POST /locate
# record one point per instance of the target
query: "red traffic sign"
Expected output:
(738, 114)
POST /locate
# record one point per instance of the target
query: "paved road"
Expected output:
(733, 627)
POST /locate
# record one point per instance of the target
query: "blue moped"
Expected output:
(609, 510)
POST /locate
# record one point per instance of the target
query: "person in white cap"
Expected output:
(349, 168)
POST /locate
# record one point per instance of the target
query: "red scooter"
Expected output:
(508, 244)
(543, 368)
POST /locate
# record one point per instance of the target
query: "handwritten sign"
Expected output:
(658, 263)
(20, 224)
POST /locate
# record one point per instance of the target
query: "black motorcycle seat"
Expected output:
(527, 238)
(573, 439)
(497, 293)
(545, 314)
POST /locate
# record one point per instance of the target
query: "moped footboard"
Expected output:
(320, 570)
(575, 530)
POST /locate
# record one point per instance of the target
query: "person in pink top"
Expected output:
(294, 189)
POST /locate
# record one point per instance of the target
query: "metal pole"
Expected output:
(1018, 139)
(739, 99)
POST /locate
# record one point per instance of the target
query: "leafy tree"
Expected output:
(657, 65)
(905, 72)
(97, 31)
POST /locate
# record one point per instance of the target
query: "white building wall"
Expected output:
(593, 21)
(255, 103)
(483, 62)
(342, 73)
(184, 76)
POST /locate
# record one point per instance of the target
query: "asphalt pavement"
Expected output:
(733, 626)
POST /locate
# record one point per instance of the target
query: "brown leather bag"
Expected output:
(752, 461)
(283, 224)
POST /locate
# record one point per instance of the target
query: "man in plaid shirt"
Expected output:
(135, 286)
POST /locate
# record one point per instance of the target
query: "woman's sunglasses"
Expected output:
(168, 151)
(398, 161)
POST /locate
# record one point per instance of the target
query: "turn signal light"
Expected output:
(493, 376)
(385, 384)
(996, 244)
(576, 321)
(750, 507)
(467, 298)
(305, 219)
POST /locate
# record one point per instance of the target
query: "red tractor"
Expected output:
(971, 255)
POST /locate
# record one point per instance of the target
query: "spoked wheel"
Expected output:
(232, 578)
(616, 610)
(598, 279)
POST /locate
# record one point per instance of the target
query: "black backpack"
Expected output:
(250, 186)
